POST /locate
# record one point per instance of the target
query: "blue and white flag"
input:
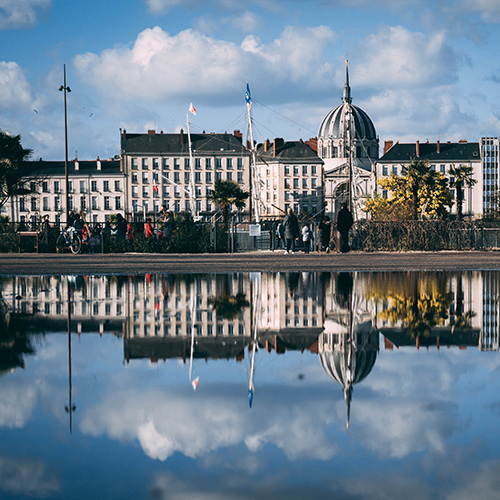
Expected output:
(247, 94)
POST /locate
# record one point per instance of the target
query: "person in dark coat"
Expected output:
(291, 225)
(344, 224)
(325, 232)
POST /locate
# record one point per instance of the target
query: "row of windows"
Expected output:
(95, 186)
(176, 163)
(109, 203)
(146, 330)
(395, 170)
(296, 170)
(296, 183)
(187, 177)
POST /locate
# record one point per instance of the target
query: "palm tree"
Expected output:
(12, 156)
(462, 178)
(419, 173)
(225, 194)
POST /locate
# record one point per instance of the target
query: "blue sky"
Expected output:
(421, 69)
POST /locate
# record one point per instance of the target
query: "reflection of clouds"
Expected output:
(16, 404)
(165, 422)
(27, 477)
(482, 483)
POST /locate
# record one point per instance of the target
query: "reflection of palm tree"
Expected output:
(463, 322)
(229, 306)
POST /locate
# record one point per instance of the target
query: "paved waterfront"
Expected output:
(56, 264)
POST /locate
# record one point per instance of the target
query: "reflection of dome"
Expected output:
(335, 364)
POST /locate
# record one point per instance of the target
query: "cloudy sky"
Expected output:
(422, 69)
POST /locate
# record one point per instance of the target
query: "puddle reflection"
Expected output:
(225, 336)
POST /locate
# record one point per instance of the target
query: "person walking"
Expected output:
(325, 229)
(306, 238)
(344, 224)
(291, 225)
(280, 234)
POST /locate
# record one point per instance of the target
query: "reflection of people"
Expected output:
(291, 225)
(344, 224)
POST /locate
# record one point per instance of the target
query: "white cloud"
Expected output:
(159, 66)
(16, 14)
(27, 477)
(489, 10)
(16, 405)
(395, 57)
(483, 483)
(16, 91)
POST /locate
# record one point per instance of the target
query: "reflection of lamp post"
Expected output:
(70, 408)
(66, 89)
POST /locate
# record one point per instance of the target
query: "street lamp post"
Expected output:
(64, 88)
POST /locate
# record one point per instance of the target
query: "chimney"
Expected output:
(417, 148)
(266, 145)
(438, 147)
(124, 134)
(388, 145)
(313, 144)
(98, 163)
(77, 164)
(238, 134)
(182, 136)
(278, 143)
(151, 131)
(462, 141)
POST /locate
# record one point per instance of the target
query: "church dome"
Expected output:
(333, 124)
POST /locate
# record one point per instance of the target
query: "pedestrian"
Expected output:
(121, 227)
(306, 238)
(131, 231)
(344, 224)
(291, 225)
(148, 230)
(167, 225)
(280, 234)
(325, 229)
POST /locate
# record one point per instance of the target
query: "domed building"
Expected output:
(347, 129)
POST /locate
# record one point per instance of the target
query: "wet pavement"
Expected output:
(57, 264)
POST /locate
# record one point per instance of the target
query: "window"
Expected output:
(442, 168)
(57, 203)
(94, 202)
(313, 169)
(118, 203)
(145, 192)
(229, 176)
(33, 186)
(70, 186)
(395, 170)
(197, 177)
(145, 165)
(22, 206)
(82, 186)
(208, 163)
(45, 186)
(176, 164)
(145, 178)
(240, 177)
(33, 204)
(106, 203)
(93, 185)
(287, 170)
(56, 186)
(83, 203)
(296, 184)
(287, 183)
(134, 177)
(304, 169)
(176, 177)
(229, 163)
(134, 164)
(187, 166)
(117, 186)
(240, 163)
(165, 165)
(295, 170)
(197, 163)
(46, 203)
(218, 176)
(384, 170)
(313, 183)
(304, 183)
(208, 177)
(135, 191)
(156, 163)
(186, 177)
(70, 203)
(105, 186)
(218, 163)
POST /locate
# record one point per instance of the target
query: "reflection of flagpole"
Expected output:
(256, 314)
(70, 408)
(193, 326)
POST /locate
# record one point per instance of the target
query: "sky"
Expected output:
(421, 69)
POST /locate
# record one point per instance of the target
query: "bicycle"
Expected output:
(69, 238)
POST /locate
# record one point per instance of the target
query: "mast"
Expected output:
(192, 192)
(254, 186)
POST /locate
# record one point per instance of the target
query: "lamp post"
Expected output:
(64, 88)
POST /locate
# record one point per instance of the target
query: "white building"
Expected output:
(158, 169)
(291, 176)
(94, 187)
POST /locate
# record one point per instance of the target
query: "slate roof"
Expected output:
(49, 168)
(290, 151)
(158, 144)
(448, 151)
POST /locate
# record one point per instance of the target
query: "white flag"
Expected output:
(191, 108)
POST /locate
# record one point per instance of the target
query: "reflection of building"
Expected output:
(165, 311)
(291, 310)
(349, 344)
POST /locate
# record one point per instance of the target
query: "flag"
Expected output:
(191, 108)
(155, 186)
(195, 383)
(247, 94)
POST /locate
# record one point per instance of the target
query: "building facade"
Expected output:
(441, 157)
(95, 188)
(290, 176)
(158, 170)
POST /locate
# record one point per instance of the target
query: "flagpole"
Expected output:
(192, 194)
(254, 189)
